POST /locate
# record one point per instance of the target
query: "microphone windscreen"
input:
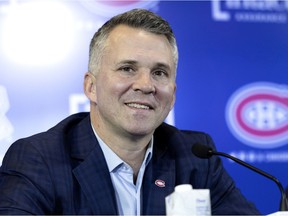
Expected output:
(201, 151)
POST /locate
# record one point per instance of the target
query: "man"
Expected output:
(121, 158)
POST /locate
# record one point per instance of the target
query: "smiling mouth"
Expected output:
(139, 106)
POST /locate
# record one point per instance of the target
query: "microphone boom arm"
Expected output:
(284, 202)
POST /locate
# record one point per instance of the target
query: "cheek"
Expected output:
(119, 87)
(167, 95)
(109, 88)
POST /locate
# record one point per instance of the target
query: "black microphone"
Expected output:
(204, 151)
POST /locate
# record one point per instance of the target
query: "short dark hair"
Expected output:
(136, 18)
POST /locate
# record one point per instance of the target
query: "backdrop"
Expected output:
(231, 82)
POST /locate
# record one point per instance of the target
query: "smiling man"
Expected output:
(120, 158)
(132, 92)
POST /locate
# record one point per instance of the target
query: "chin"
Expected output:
(141, 131)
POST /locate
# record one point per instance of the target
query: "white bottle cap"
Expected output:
(183, 188)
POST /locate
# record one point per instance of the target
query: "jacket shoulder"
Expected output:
(63, 127)
(57, 136)
(168, 132)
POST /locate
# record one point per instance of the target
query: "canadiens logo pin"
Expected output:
(160, 183)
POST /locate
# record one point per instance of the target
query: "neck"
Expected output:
(129, 148)
(132, 155)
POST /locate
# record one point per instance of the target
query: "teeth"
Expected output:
(138, 106)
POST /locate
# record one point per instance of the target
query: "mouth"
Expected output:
(139, 106)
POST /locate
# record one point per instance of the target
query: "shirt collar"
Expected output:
(112, 159)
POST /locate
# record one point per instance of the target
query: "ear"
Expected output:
(90, 86)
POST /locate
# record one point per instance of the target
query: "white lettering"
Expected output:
(270, 11)
(78, 103)
(6, 128)
(217, 13)
(261, 157)
(233, 4)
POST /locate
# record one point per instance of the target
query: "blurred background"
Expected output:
(232, 79)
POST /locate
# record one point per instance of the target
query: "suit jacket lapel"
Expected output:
(92, 172)
(159, 178)
(159, 182)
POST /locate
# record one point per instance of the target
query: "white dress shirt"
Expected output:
(128, 194)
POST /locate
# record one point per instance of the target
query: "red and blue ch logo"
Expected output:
(257, 115)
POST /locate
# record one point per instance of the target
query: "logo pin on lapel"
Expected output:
(160, 183)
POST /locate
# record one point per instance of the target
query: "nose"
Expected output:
(144, 83)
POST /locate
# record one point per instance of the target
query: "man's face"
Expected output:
(135, 86)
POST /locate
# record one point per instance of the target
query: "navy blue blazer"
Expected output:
(63, 171)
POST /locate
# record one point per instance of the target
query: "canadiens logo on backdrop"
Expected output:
(257, 114)
(110, 8)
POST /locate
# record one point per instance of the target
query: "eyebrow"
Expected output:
(134, 62)
(131, 62)
(163, 65)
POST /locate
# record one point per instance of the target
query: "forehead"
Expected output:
(125, 40)
(124, 32)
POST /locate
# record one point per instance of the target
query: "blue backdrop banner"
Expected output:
(232, 79)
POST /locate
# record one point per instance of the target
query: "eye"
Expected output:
(160, 73)
(127, 69)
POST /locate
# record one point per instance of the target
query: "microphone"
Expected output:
(204, 151)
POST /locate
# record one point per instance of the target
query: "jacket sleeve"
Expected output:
(25, 183)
